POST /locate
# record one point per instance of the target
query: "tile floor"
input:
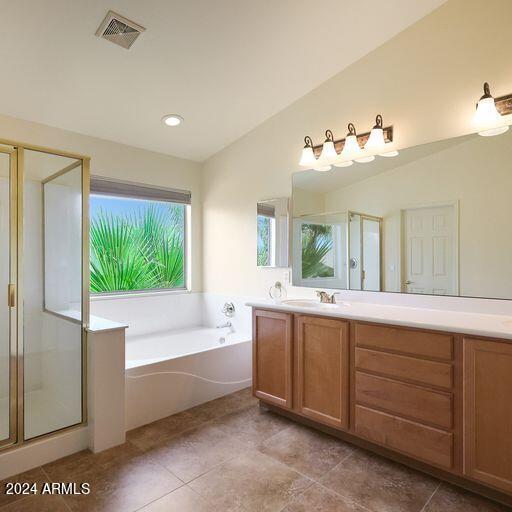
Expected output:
(230, 456)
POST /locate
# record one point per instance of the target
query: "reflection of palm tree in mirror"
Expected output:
(138, 251)
(317, 242)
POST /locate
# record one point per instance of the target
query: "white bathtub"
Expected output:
(171, 371)
(167, 345)
(175, 357)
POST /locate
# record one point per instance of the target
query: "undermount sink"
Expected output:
(306, 303)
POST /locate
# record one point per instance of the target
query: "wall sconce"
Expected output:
(328, 155)
(307, 158)
(487, 120)
(376, 143)
(352, 150)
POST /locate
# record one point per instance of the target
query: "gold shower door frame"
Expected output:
(15, 293)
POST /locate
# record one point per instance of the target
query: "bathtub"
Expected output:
(175, 357)
(170, 371)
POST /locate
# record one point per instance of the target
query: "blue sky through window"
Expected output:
(121, 205)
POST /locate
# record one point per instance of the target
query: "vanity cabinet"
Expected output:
(272, 357)
(436, 398)
(488, 412)
(322, 369)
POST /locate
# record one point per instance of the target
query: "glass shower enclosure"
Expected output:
(44, 270)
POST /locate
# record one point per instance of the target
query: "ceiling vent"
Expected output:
(119, 30)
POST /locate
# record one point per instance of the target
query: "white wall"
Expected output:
(425, 82)
(127, 163)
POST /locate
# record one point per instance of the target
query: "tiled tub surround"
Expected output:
(176, 358)
(229, 455)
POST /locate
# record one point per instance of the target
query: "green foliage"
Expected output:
(263, 241)
(316, 243)
(137, 252)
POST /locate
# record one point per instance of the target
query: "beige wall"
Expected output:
(122, 162)
(425, 82)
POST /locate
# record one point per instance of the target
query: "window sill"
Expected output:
(135, 294)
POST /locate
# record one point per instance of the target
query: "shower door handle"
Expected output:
(11, 295)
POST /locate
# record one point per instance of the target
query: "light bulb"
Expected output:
(328, 154)
(172, 120)
(308, 158)
(487, 120)
(376, 142)
(351, 149)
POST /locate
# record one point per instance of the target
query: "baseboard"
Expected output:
(37, 453)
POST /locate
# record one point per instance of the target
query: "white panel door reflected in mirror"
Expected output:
(273, 219)
(434, 220)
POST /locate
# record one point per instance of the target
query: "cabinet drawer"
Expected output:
(422, 371)
(426, 443)
(407, 341)
(405, 399)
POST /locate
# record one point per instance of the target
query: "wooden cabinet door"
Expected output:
(272, 361)
(322, 347)
(488, 412)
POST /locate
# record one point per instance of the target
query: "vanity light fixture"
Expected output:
(329, 154)
(352, 150)
(376, 143)
(308, 158)
(487, 120)
(172, 120)
(343, 152)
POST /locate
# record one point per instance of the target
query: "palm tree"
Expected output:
(316, 243)
(140, 251)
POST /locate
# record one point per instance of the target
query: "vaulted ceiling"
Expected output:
(224, 65)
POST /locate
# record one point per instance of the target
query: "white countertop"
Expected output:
(97, 324)
(494, 326)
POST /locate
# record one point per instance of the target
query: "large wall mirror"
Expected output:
(272, 221)
(433, 220)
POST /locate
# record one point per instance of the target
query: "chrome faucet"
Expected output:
(227, 324)
(326, 298)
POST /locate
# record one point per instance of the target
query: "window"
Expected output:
(137, 237)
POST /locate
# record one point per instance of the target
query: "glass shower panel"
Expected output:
(371, 254)
(7, 318)
(355, 251)
(52, 273)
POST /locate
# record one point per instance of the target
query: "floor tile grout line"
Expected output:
(276, 434)
(184, 430)
(345, 497)
(431, 496)
(211, 469)
(66, 504)
(160, 497)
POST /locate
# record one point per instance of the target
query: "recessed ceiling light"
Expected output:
(172, 120)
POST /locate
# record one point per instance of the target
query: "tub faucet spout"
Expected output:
(227, 324)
